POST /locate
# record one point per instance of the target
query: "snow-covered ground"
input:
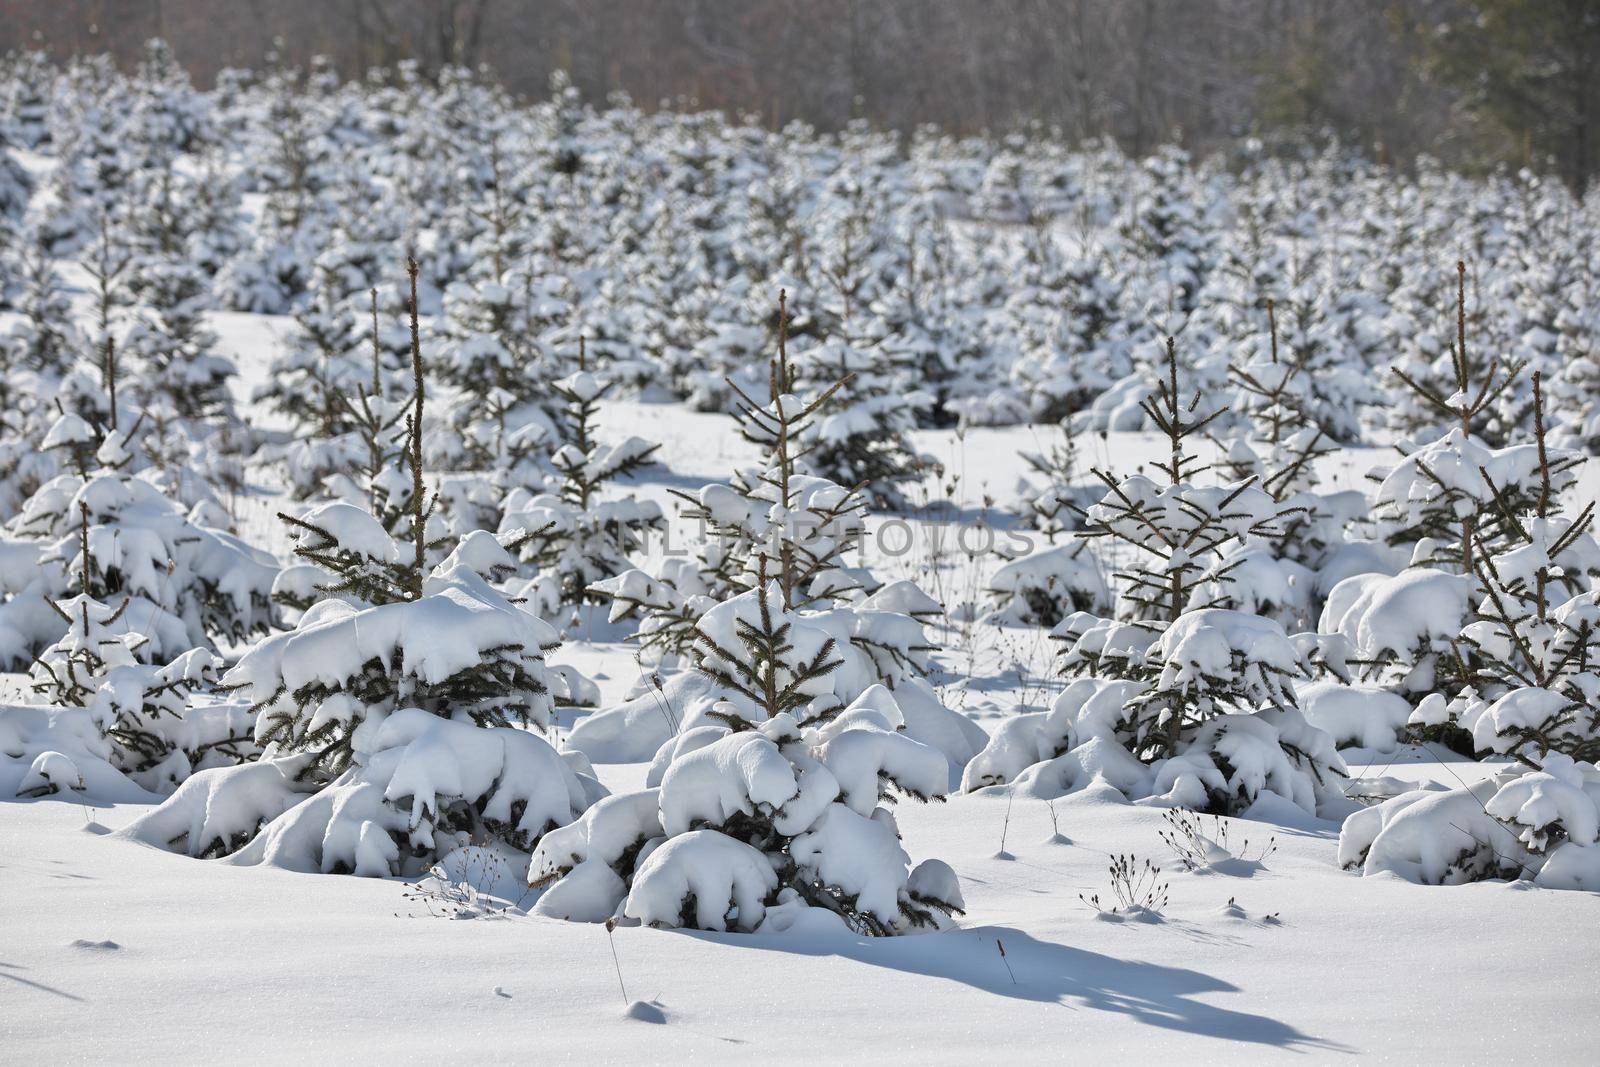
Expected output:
(143, 956)
(1242, 939)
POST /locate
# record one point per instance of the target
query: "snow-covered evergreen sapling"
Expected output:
(44, 341)
(574, 538)
(504, 682)
(352, 547)
(771, 520)
(310, 383)
(97, 639)
(175, 349)
(413, 723)
(769, 802)
(1463, 407)
(1182, 534)
(190, 584)
(768, 815)
(1186, 697)
(864, 439)
(1532, 641)
(1451, 503)
(495, 351)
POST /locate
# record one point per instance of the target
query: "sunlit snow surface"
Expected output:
(113, 950)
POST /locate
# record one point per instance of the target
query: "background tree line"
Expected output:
(1474, 82)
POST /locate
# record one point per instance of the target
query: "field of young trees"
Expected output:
(798, 594)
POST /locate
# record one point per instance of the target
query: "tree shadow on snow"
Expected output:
(1149, 993)
(29, 983)
(671, 479)
(957, 515)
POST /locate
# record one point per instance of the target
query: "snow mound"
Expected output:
(51, 751)
(1530, 823)
(703, 879)
(423, 788)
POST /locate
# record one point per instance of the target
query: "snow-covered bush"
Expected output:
(460, 651)
(1198, 708)
(1538, 823)
(390, 735)
(164, 725)
(769, 808)
(575, 539)
(60, 752)
(122, 542)
(1207, 720)
(1045, 586)
(772, 581)
(398, 720)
